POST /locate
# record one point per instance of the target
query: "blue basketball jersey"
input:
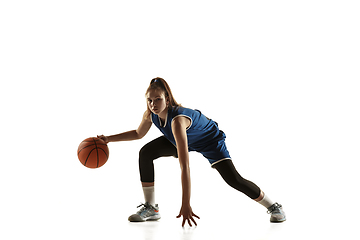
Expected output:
(202, 132)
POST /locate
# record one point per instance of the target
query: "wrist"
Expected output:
(185, 203)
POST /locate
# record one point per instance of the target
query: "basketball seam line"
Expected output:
(97, 153)
(102, 144)
(88, 156)
(104, 152)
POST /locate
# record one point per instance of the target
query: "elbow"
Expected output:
(185, 167)
(138, 135)
(185, 173)
(185, 170)
(184, 160)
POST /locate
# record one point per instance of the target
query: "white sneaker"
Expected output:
(277, 213)
(146, 213)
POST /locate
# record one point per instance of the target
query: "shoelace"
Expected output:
(141, 205)
(145, 210)
(144, 207)
(274, 207)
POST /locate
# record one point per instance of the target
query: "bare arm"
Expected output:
(179, 126)
(130, 135)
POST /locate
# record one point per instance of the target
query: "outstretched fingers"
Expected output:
(195, 216)
(189, 219)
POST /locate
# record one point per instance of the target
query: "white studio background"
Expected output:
(280, 77)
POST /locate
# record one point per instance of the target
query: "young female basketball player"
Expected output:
(184, 130)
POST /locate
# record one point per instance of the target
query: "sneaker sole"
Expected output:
(137, 218)
(153, 219)
(277, 221)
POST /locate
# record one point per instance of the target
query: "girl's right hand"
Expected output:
(104, 138)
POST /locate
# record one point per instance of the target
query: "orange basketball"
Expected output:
(93, 152)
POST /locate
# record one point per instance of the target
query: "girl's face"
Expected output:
(157, 102)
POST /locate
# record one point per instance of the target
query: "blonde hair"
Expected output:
(160, 84)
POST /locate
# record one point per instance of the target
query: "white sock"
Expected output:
(266, 201)
(149, 195)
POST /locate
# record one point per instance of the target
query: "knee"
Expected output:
(142, 152)
(146, 153)
(235, 181)
(146, 166)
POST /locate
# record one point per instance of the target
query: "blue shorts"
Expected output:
(215, 152)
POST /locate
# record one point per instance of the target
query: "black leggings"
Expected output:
(161, 147)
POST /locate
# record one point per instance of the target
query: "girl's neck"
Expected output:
(163, 115)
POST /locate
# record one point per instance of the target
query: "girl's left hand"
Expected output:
(187, 214)
(104, 138)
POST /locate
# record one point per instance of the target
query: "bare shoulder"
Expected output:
(181, 121)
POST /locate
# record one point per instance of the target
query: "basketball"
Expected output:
(93, 152)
